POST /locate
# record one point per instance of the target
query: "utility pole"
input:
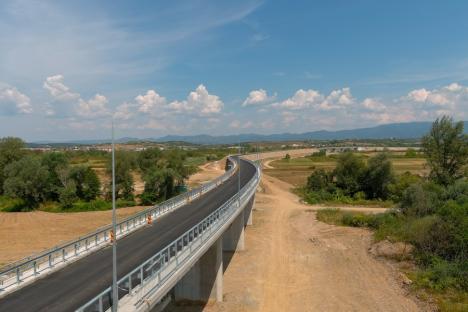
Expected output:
(238, 172)
(115, 293)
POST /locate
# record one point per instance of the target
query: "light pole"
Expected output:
(115, 294)
(238, 172)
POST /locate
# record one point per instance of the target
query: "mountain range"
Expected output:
(410, 130)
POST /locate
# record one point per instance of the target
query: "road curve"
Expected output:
(79, 282)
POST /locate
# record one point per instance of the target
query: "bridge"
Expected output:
(172, 251)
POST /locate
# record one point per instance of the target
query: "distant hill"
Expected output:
(410, 130)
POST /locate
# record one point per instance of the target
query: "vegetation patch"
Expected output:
(432, 213)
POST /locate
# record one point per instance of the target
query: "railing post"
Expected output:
(141, 276)
(101, 308)
(18, 275)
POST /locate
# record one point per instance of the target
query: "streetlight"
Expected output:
(115, 293)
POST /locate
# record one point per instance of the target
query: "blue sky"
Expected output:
(224, 67)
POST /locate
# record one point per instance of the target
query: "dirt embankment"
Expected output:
(292, 262)
(26, 233)
(207, 172)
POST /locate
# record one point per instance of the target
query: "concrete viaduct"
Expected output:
(178, 257)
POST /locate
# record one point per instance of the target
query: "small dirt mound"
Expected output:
(396, 251)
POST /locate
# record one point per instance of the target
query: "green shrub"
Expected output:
(330, 216)
(8, 204)
(67, 195)
(421, 199)
(400, 184)
(319, 180)
(357, 219)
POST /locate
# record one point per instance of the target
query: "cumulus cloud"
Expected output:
(66, 101)
(337, 99)
(259, 96)
(124, 111)
(58, 90)
(199, 102)
(14, 102)
(444, 96)
(419, 95)
(301, 99)
(94, 107)
(148, 102)
(373, 105)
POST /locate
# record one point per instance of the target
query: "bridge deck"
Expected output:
(76, 284)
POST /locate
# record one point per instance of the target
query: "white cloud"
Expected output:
(373, 105)
(150, 101)
(124, 111)
(94, 107)
(419, 95)
(301, 99)
(14, 102)
(199, 102)
(337, 99)
(58, 90)
(65, 99)
(259, 96)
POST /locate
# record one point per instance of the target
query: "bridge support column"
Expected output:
(233, 238)
(248, 211)
(204, 281)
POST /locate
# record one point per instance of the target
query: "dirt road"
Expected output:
(294, 263)
(207, 172)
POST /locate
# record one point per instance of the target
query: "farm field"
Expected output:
(296, 170)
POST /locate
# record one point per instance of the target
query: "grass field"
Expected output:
(295, 171)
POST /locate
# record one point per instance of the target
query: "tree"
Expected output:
(287, 157)
(67, 195)
(86, 182)
(377, 177)
(149, 158)
(446, 150)
(27, 179)
(319, 180)
(11, 150)
(124, 163)
(348, 172)
(159, 185)
(56, 163)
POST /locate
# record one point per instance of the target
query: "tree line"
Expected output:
(35, 178)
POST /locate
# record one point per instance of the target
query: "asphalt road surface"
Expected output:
(79, 282)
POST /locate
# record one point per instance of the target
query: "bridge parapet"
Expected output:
(149, 283)
(27, 270)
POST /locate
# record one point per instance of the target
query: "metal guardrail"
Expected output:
(151, 274)
(28, 268)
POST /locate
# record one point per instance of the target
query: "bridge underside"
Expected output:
(204, 282)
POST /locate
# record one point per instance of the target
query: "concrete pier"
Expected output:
(204, 281)
(233, 238)
(248, 212)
